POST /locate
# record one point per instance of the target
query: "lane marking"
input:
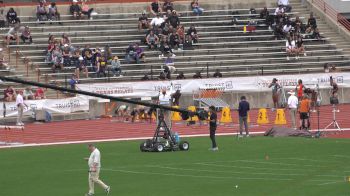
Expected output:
(246, 167)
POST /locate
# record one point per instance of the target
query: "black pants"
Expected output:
(27, 38)
(88, 13)
(212, 136)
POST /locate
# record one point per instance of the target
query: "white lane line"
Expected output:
(341, 156)
(192, 176)
(268, 162)
(247, 167)
(327, 183)
(304, 159)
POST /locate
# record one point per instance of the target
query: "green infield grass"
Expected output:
(248, 166)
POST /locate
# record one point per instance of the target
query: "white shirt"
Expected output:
(19, 100)
(291, 45)
(157, 21)
(283, 2)
(95, 158)
(287, 28)
(293, 102)
(164, 99)
(278, 10)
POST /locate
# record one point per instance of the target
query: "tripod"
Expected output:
(334, 122)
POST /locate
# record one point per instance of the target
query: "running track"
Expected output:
(111, 129)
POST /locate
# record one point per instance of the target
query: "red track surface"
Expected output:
(102, 129)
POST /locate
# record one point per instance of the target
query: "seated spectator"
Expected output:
(168, 5)
(155, 8)
(152, 40)
(57, 59)
(217, 74)
(86, 50)
(86, 10)
(3, 63)
(278, 32)
(162, 76)
(285, 4)
(12, 35)
(269, 19)
(66, 54)
(157, 21)
(298, 25)
(12, 17)
(101, 67)
(78, 63)
(66, 41)
(75, 9)
(181, 76)
(287, 28)
(326, 68)
(173, 20)
(73, 81)
(197, 10)
(145, 77)
(193, 33)
(26, 35)
(300, 47)
(131, 54)
(39, 93)
(41, 12)
(290, 47)
(197, 75)
(28, 93)
(139, 52)
(311, 27)
(2, 19)
(9, 94)
(333, 68)
(165, 49)
(188, 43)
(279, 10)
(108, 54)
(54, 14)
(174, 40)
(116, 67)
(96, 55)
(181, 32)
(143, 21)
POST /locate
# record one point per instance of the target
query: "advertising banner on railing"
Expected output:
(234, 84)
(63, 106)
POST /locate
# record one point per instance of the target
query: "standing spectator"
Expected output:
(28, 93)
(197, 75)
(2, 19)
(243, 109)
(304, 111)
(75, 9)
(86, 10)
(143, 21)
(12, 35)
(300, 89)
(39, 93)
(293, 107)
(181, 76)
(155, 8)
(174, 40)
(152, 40)
(176, 98)
(131, 55)
(73, 82)
(20, 106)
(157, 21)
(285, 4)
(116, 67)
(195, 8)
(193, 33)
(275, 92)
(54, 14)
(217, 74)
(9, 94)
(212, 127)
(26, 35)
(174, 20)
(168, 5)
(41, 12)
(12, 17)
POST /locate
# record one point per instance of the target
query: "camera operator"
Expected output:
(212, 127)
(165, 100)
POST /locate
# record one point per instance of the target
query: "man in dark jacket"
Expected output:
(243, 109)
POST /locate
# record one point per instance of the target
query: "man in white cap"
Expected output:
(293, 107)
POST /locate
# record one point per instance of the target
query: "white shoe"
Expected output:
(215, 149)
(296, 57)
(108, 189)
(18, 124)
(91, 18)
(305, 54)
(240, 136)
(287, 58)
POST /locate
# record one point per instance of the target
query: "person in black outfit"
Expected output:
(212, 127)
(174, 20)
(12, 17)
(181, 76)
(217, 74)
(197, 75)
(176, 98)
(243, 109)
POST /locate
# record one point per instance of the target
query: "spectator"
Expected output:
(181, 32)
(155, 8)
(73, 81)
(304, 111)
(181, 76)
(86, 50)
(81, 66)
(193, 33)
(57, 59)
(139, 52)
(285, 4)
(108, 54)
(265, 14)
(41, 12)
(165, 49)
(145, 77)
(290, 47)
(300, 47)
(326, 68)
(101, 66)
(300, 88)
(75, 9)
(28, 93)
(217, 74)
(174, 20)
(143, 21)
(196, 9)
(333, 68)
(275, 92)
(298, 25)
(168, 5)
(278, 32)
(39, 94)
(12, 35)
(54, 14)
(12, 17)
(26, 35)
(131, 55)
(187, 45)
(287, 28)
(116, 67)
(157, 21)
(197, 75)
(175, 97)
(243, 110)
(174, 40)
(2, 19)
(279, 11)
(162, 76)
(9, 94)
(86, 10)
(152, 40)
(311, 27)
(66, 54)
(96, 55)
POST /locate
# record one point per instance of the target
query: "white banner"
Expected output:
(246, 84)
(67, 105)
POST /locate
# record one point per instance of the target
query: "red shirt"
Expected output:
(39, 93)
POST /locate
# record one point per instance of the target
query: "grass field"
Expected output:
(258, 166)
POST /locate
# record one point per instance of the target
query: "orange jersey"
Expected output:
(304, 106)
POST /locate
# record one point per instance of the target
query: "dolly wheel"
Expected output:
(184, 146)
(159, 147)
(143, 146)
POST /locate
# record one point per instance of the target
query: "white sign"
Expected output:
(245, 84)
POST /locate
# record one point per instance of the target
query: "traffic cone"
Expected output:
(280, 117)
(226, 115)
(194, 118)
(175, 116)
(262, 116)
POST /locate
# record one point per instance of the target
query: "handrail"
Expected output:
(333, 13)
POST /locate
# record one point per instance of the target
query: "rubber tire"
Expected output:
(143, 146)
(159, 147)
(184, 145)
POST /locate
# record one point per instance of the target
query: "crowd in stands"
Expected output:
(28, 93)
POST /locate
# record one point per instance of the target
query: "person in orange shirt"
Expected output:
(304, 111)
